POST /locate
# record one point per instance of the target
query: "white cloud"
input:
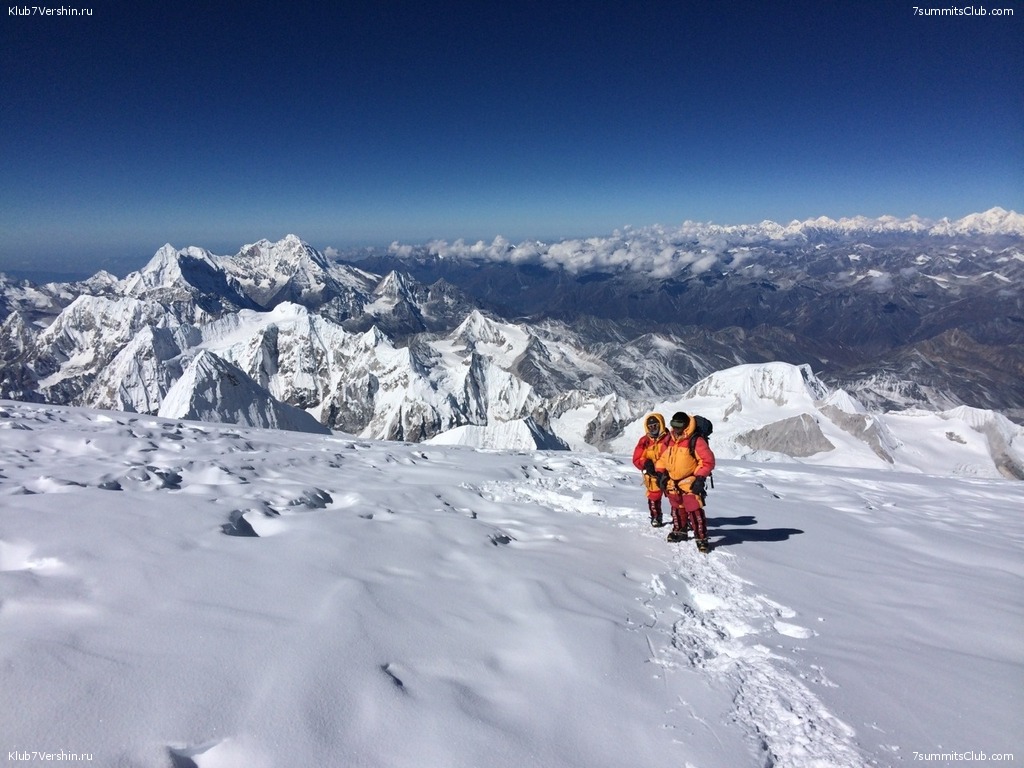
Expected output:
(704, 264)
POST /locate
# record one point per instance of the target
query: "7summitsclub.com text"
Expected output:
(972, 756)
(965, 10)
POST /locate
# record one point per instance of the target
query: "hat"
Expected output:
(680, 419)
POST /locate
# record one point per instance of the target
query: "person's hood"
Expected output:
(661, 423)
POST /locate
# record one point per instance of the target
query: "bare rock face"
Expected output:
(798, 436)
(862, 426)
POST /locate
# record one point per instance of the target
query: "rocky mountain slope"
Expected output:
(856, 298)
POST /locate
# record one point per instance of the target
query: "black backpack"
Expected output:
(702, 428)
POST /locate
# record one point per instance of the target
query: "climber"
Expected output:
(682, 469)
(648, 450)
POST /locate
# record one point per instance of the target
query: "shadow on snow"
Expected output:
(730, 536)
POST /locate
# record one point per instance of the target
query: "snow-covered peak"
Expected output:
(394, 285)
(781, 383)
(288, 311)
(287, 254)
(995, 221)
(100, 282)
(372, 337)
(477, 328)
(845, 402)
(981, 419)
(292, 270)
(165, 269)
(104, 317)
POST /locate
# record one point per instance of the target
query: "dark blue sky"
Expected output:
(378, 121)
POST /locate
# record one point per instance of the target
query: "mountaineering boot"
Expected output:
(679, 524)
(654, 505)
(703, 546)
(678, 532)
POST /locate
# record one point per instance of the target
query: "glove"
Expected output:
(662, 481)
(649, 467)
(697, 487)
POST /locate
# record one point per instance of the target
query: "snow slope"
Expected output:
(177, 593)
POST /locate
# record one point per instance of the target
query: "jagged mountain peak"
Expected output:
(191, 282)
(478, 328)
(289, 311)
(373, 338)
(290, 252)
(101, 281)
(170, 268)
(99, 312)
(393, 284)
(287, 270)
(403, 356)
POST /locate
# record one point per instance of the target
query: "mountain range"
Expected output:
(553, 345)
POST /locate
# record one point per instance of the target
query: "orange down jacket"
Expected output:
(680, 464)
(651, 448)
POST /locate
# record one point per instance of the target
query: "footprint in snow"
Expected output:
(392, 671)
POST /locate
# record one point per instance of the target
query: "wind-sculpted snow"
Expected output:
(183, 593)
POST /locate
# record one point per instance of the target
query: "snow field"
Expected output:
(179, 594)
